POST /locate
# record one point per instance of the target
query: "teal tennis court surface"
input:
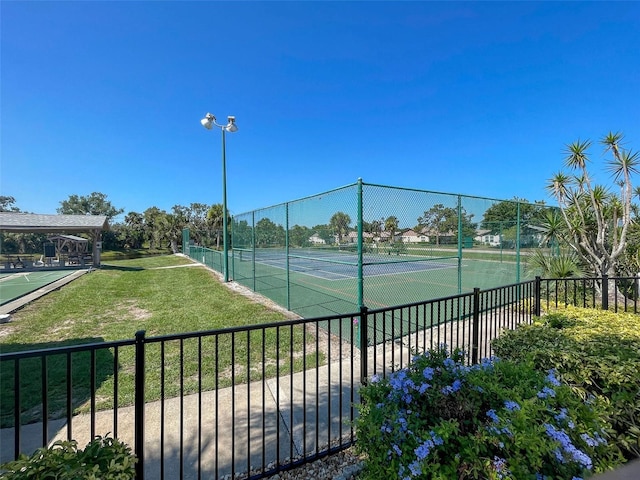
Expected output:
(18, 284)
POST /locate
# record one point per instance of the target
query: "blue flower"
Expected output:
(375, 379)
(493, 416)
(562, 415)
(396, 449)
(403, 423)
(427, 373)
(546, 392)
(567, 447)
(452, 388)
(415, 468)
(397, 379)
(423, 388)
(449, 363)
(423, 450)
(511, 405)
(551, 378)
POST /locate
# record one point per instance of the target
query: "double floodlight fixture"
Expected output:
(209, 121)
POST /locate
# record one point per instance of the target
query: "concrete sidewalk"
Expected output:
(194, 436)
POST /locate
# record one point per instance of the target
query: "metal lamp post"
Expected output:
(208, 122)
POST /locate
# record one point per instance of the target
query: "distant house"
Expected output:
(316, 239)
(441, 238)
(411, 236)
(383, 237)
(352, 237)
(486, 237)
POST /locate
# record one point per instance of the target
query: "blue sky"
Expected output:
(471, 98)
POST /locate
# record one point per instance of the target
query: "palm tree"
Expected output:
(391, 226)
(596, 220)
(215, 216)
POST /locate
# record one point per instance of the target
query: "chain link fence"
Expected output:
(374, 246)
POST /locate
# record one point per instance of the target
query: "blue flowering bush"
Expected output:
(441, 419)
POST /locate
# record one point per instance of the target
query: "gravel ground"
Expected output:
(344, 465)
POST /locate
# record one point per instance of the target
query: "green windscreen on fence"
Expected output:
(378, 246)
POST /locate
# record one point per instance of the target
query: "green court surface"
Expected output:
(18, 284)
(310, 294)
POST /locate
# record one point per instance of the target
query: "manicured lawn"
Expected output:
(114, 302)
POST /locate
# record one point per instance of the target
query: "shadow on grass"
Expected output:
(105, 266)
(40, 376)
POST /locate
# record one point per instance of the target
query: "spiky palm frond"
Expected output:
(564, 264)
(576, 154)
(553, 226)
(612, 141)
(559, 185)
(623, 165)
(600, 195)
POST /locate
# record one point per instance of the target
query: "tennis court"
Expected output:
(340, 266)
(18, 284)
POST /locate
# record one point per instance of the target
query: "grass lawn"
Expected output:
(122, 297)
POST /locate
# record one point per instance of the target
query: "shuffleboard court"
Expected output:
(16, 285)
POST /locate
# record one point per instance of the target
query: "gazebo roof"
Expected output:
(32, 222)
(72, 238)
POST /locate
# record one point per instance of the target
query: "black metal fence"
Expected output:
(251, 401)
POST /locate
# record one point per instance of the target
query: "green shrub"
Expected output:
(103, 458)
(596, 353)
(440, 419)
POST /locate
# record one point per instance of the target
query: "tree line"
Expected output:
(594, 230)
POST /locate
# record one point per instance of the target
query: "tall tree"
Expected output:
(441, 220)
(7, 204)
(214, 221)
(134, 230)
(173, 225)
(324, 232)
(504, 214)
(596, 220)
(94, 204)
(339, 224)
(391, 226)
(434, 220)
(268, 234)
(299, 236)
(154, 226)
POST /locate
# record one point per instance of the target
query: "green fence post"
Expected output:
(360, 235)
(459, 244)
(233, 256)
(185, 242)
(253, 248)
(286, 249)
(518, 244)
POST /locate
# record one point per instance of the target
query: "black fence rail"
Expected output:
(618, 294)
(251, 401)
